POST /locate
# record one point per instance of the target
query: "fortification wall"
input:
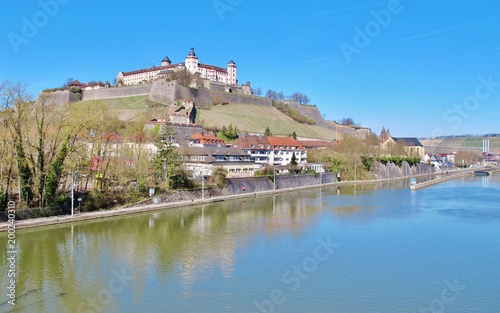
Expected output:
(167, 92)
(185, 93)
(163, 92)
(309, 111)
(60, 97)
(391, 170)
(342, 130)
(117, 92)
(225, 97)
(292, 181)
(203, 98)
(363, 132)
(251, 184)
(255, 184)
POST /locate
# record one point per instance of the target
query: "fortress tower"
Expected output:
(192, 62)
(231, 73)
(166, 61)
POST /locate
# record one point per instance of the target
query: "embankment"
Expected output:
(253, 187)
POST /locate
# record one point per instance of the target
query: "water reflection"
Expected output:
(183, 251)
(64, 265)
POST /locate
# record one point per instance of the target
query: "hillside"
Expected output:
(247, 117)
(129, 108)
(255, 119)
(445, 145)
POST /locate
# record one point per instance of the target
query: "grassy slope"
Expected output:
(127, 108)
(250, 118)
(255, 118)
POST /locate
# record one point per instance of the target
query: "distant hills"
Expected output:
(457, 143)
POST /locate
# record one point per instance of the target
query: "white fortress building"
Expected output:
(226, 76)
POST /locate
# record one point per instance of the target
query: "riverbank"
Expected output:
(126, 210)
(440, 180)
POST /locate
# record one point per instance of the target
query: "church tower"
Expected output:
(231, 73)
(192, 62)
(384, 135)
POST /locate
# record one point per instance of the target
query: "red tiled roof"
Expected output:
(211, 67)
(112, 136)
(151, 69)
(207, 138)
(248, 141)
(75, 83)
(203, 136)
(272, 141)
(284, 141)
(94, 84)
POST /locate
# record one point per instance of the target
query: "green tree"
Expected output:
(183, 78)
(267, 132)
(167, 160)
(219, 175)
(229, 133)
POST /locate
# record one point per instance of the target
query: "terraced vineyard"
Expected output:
(255, 118)
(445, 145)
(249, 118)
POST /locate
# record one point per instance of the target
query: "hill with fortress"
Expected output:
(213, 99)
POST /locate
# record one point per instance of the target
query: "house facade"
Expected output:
(202, 161)
(272, 150)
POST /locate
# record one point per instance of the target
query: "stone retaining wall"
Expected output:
(117, 92)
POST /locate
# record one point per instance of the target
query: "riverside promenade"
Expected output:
(126, 210)
(454, 175)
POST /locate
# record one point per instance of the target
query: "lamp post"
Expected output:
(72, 194)
(274, 179)
(203, 182)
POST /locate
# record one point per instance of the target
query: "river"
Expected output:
(371, 248)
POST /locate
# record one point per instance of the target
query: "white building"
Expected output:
(272, 150)
(213, 73)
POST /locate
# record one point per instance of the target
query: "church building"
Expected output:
(412, 146)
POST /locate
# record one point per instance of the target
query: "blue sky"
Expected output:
(419, 67)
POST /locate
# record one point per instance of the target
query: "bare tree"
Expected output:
(257, 91)
(183, 77)
(280, 96)
(300, 97)
(68, 81)
(271, 94)
(347, 121)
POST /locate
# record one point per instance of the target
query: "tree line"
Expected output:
(280, 96)
(42, 144)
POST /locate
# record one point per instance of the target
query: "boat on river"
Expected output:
(481, 173)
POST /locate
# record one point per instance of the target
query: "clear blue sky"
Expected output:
(420, 67)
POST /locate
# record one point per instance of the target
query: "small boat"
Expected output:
(481, 173)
